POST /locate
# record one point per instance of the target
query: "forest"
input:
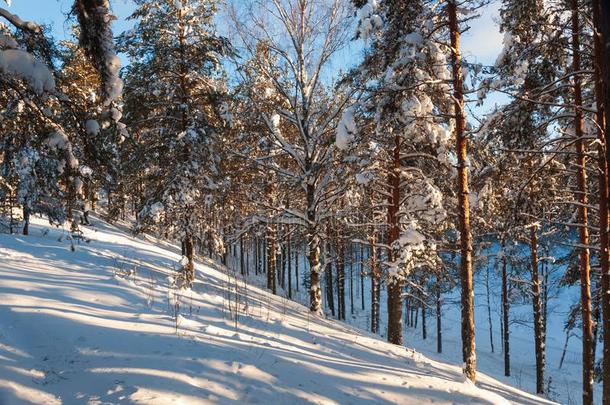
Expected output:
(347, 155)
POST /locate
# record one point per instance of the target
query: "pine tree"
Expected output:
(405, 79)
(174, 101)
(40, 167)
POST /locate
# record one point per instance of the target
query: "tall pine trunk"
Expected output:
(601, 20)
(468, 335)
(537, 308)
(585, 267)
(394, 281)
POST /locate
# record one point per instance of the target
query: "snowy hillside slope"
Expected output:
(96, 326)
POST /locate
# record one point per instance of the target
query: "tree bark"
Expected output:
(189, 269)
(601, 21)
(394, 282)
(329, 280)
(26, 221)
(439, 328)
(351, 279)
(375, 278)
(296, 267)
(340, 266)
(289, 253)
(505, 314)
(491, 334)
(362, 277)
(537, 308)
(468, 333)
(424, 331)
(313, 242)
(315, 295)
(242, 264)
(271, 259)
(585, 267)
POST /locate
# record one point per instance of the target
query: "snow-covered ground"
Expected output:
(97, 325)
(564, 383)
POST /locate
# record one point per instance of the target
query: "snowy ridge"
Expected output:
(100, 325)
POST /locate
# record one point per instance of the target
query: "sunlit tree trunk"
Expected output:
(601, 20)
(468, 333)
(585, 267)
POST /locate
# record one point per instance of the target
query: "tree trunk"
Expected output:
(408, 311)
(283, 273)
(375, 277)
(271, 259)
(329, 280)
(242, 264)
(351, 280)
(439, 329)
(189, 269)
(468, 333)
(601, 21)
(491, 329)
(505, 311)
(255, 254)
(296, 267)
(264, 252)
(315, 295)
(537, 308)
(289, 253)
(340, 266)
(26, 221)
(362, 277)
(313, 242)
(248, 252)
(394, 281)
(424, 332)
(585, 282)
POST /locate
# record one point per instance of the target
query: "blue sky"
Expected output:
(54, 12)
(482, 43)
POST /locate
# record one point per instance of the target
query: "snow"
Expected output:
(346, 129)
(369, 21)
(93, 326)
(58, 140)
(92, 127)
(7, 41)
(24, 65)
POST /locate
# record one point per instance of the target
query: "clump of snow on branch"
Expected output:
(25, 66)
(369, 21)
(346, 129)
(97, 39)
